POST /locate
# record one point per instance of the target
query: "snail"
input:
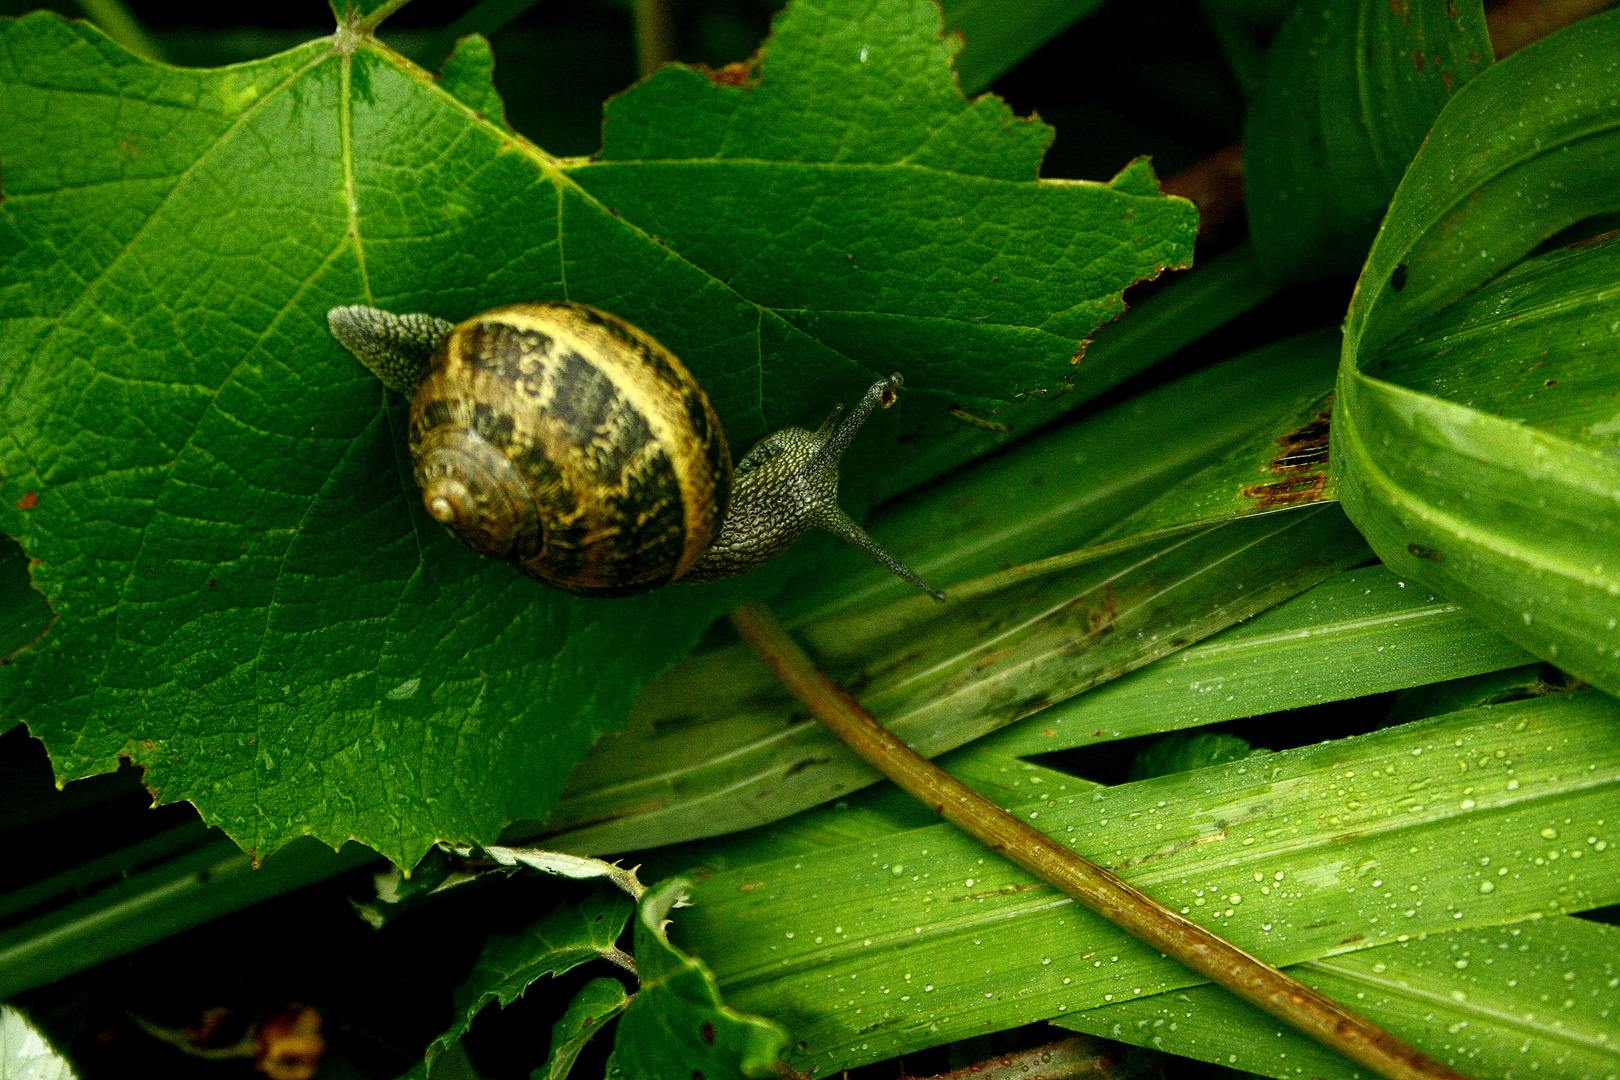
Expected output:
(569, 442)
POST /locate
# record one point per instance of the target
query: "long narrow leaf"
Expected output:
(1350, 88)
(1057, 491)
(1537, 998)
(1361, 632)
(1517, 516)
(1469, 820)
(980, 665)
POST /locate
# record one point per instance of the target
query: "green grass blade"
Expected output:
(1057, 491)
(1361, 632)
(880, 810)
(176, 895)
(691, 766)
(1469, 820)
(1534, 998)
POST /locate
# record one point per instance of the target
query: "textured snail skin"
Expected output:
(569, 442)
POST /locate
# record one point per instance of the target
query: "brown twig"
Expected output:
(655, 34)
(1513, 24)
(1215, 186)
(1126, 906)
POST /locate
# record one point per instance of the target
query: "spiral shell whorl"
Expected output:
(470, 487)
(567, 441)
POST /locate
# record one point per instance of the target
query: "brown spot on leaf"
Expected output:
(1101, 621)
(1291, 491)
(740, 74)
(707, 1032)
(978, 421)
(1425, 553)
(28, 501)
(1306, 447)
(1397, 279)
(1417, 59)
(1301, 465)
(750, 886)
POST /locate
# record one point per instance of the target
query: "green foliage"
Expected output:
(252, 604)
(677, 1024)
(113, 906)
(1349, 91)
(709, 761)
(1024, 504)
(1498, 488)
(469, 74)
(574, 933)
(1311, 649)
(1537, 997)
(224, 574)
(1470, 820)
(597, 1002)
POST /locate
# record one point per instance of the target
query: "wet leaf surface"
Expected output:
(253, 605)
(1459, 449)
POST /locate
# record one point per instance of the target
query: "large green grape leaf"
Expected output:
(1475, 431)
(1350, 89)
(251, 602)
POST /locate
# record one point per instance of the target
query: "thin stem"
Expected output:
(1123, 904)
(369, 23)
(622, 958)
(655, 35)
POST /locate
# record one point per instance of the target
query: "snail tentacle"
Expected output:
(834, 520)
(789, 482)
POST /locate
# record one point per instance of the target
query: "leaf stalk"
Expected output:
(1121, 903)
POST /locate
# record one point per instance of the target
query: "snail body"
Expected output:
(571, 443)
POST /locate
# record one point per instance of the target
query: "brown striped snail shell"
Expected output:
(571, 443)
